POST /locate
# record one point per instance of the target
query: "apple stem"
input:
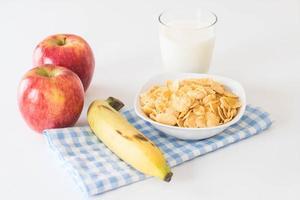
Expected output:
(115, 103)
(62, 42)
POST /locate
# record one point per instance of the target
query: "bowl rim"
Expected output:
(233, 121)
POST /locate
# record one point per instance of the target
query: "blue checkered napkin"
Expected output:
(96, 169)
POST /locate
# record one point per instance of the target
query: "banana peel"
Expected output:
(124, 140)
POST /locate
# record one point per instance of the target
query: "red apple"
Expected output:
(50, 96)
(67, 50)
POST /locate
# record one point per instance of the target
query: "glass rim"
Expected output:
(200, 28)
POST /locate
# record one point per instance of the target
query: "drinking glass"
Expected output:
(187, 38)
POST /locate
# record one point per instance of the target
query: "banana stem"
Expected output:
(168, 177)
(115, 103)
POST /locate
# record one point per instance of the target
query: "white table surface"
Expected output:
(257, 44)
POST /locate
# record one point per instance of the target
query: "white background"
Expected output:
(258, 44)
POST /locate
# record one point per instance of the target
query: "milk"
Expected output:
(186, 46)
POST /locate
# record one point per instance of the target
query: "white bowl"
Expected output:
(191, 133)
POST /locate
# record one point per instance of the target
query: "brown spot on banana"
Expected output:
(120, 133)
(152, 144)
(141, 137)
(106, 107)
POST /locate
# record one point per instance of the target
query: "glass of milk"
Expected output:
(187, 38)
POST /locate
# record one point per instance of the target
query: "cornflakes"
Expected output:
(191, 103)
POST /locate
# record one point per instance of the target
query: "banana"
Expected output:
(125, 140)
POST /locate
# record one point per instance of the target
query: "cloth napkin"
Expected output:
(96, 169)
